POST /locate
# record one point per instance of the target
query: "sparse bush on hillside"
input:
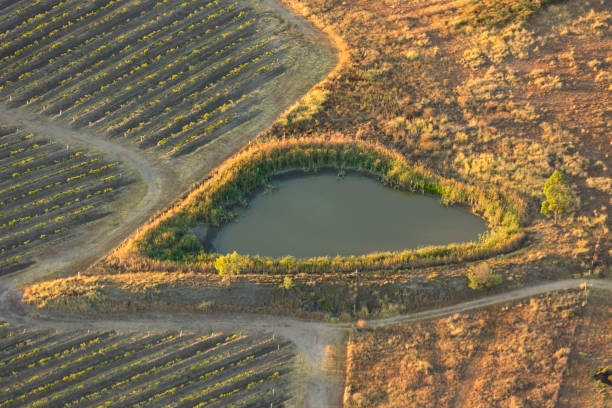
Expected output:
(544, 81)
(522, 112)
(603, 184)
(498, 44)
(483, 93)
(592, 24)
(483, 277)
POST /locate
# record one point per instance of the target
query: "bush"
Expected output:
(558, 195)
(230, 265)
(287, 283)
(499, 13)
(482, 277)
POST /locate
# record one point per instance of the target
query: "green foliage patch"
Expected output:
(483, 277)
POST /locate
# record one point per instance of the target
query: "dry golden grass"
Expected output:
(501, 105)
(523, 354)
(115, 293)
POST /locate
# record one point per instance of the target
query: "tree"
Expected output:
(558, 195)
(230, 265)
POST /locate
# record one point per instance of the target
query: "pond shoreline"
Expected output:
(170, 236)
(408, 220)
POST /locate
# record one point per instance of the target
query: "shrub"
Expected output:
(498, 13)
(483, 277)
(206, 306)
(230, 265)
(412, 55)
(287, 283)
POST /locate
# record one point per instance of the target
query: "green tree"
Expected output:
(558, 196)
(230, 265)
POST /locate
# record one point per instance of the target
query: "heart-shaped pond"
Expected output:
(321, 214)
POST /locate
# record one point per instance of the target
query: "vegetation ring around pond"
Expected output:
(171, 237)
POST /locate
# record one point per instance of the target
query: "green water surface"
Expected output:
(323, 215)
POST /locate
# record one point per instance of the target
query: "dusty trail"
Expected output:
(311, 338)
(505, 297)
(295, 329)
(151, 192)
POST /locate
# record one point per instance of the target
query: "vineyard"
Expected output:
(167, 76)
(141, 369)
(46, 190)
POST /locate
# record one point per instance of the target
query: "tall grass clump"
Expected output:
(169, 237)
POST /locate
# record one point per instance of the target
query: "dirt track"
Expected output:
(150, 177)
(492, 300)
(322, 388)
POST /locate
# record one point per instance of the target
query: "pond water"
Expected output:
(324, 215)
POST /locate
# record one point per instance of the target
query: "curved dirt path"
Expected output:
(111, 230)
(321, 387)
(504, 297)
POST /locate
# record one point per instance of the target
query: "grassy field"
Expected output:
(46, 367)
(521, 354)
(47, 190)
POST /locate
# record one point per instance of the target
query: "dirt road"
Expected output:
(321, 388)
(492, 300)
(151, 193)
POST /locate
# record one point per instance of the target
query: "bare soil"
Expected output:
(529, 353)
(592, 352)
